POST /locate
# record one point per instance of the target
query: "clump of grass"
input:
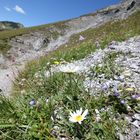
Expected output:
(43, 110)
(4, 46)
(40, 119)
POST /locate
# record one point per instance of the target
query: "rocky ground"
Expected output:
(126, 62)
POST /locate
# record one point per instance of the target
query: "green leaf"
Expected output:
(6, 125)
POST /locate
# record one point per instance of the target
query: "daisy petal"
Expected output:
(72, 120)
(80, 111)
(85, 113)
(71, 113)
(79, 122)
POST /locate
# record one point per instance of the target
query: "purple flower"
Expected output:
(121, 78)
(32, 102)
(133, 96)
(138, 95)
(104, 86)
(116, 94)
(111, 47)
(122, 102)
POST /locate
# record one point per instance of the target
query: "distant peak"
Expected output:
(8, 25)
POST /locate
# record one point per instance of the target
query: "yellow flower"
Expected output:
(78, 116)
(129, 89)
(56, 62)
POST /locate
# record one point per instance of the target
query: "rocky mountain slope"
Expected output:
(126, 66)
(28, 44)
(8, 25)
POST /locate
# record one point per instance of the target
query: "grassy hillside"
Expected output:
(42, 106)
(75, 49)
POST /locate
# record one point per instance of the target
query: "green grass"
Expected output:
(64, 93)
(4, 46)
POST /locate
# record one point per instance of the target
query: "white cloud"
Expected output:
(19, 9)
(7, 8)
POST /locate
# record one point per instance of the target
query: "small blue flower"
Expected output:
(104, 86)
(116, 94)
(122, 102)
(32, 102)
(121, 78)
(133, 96)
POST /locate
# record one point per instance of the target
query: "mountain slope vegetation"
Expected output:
(85, 89)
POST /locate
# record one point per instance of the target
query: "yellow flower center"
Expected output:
(78, 118)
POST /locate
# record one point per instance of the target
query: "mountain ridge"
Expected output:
(9, 25)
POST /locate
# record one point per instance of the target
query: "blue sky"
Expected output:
(37, 12)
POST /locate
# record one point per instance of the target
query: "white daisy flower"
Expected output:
(78, 116)
(69, 68)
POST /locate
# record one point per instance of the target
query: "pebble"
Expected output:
(136, 123)
(121, 137)
(97, 111)
(128, 119)
(134, 66)
(137, 117)
(127, 73)
(121, 78)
